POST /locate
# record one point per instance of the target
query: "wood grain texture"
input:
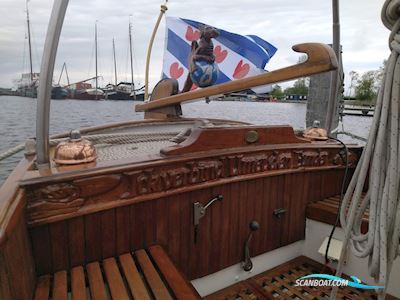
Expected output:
(42, 291)
(168, 221)
(156, 284)
(60, 286)
(114, 279)
(54, 201)
(133, 277)
(78, 285)
(96, 282)
(182, 288)
(17, 269)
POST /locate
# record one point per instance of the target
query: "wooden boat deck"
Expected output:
(139, 275)
(325, 211)
(279, 283)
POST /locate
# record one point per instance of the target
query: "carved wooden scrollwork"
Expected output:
(70, 197)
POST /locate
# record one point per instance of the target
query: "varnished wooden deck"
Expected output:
(140, 275)
(325, 211)
(279, 283)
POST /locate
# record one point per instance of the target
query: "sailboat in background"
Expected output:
(124, 90)
(84, 91)
(27, 85)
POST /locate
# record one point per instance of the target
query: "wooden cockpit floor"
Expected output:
(326, 210)
(144, 274)
(279, 283)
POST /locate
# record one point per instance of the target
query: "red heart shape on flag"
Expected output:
(175, 71)
(220, 54)
(192, 35)
(241, 70)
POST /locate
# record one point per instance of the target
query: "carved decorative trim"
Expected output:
(71, 197)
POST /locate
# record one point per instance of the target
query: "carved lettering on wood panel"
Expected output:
(60, 198)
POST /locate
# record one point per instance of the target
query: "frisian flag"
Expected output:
(237, 56)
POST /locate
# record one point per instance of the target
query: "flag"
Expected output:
(237, 56)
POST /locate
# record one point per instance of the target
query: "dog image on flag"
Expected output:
(237, 56)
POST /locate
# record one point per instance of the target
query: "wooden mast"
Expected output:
(115, 64)
(130, 52)
(29, 41)
(95, 49)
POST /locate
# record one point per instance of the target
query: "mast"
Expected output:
(115, 64)
(130, 52)
(95, 49)
(29, 41)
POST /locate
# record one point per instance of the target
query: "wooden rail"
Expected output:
(321, 58)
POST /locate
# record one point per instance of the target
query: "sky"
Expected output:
(283, 23)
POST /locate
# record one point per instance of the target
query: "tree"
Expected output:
(300, 87)
(366, 88)
(277, 92)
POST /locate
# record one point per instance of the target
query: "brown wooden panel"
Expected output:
(41, 245)
(157, 286)
(169, 221)
(59, 245)
(18, 262)
(133, 278)
(76, 239)
(5, 284)
(60, 285)
(108, 233)
(93, 237)
(42, 291)
(114, 280)
(78, 286)
(96, 282)
(122, 226)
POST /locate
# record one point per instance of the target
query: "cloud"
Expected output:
(283, 23)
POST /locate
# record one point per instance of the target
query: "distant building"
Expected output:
(296, 97)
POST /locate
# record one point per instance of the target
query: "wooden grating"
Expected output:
(325, 211)
(279, 283)
(144, 274)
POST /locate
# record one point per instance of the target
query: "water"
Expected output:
(18, 118)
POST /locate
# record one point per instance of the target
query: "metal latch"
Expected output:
(279, 212)
(199, 211)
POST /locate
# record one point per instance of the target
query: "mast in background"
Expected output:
(64, 67)
(115, 64)
(95, 49)
(130, 52)
(29, 41)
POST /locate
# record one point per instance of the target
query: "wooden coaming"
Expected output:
(168, 221)
(17, 269)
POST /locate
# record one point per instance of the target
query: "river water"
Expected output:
(18, 118)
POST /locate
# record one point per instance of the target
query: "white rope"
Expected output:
(381, 158)
(114, 138)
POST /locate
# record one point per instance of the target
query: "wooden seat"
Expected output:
(325, 211)
(143, 274)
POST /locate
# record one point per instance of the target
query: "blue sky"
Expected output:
(282, 23)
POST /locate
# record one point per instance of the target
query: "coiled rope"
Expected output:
(381, 158)
(114, 138)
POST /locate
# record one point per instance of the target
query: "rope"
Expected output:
(381, 157)
(115, 138)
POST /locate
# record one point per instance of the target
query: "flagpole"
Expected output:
(163, 9)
